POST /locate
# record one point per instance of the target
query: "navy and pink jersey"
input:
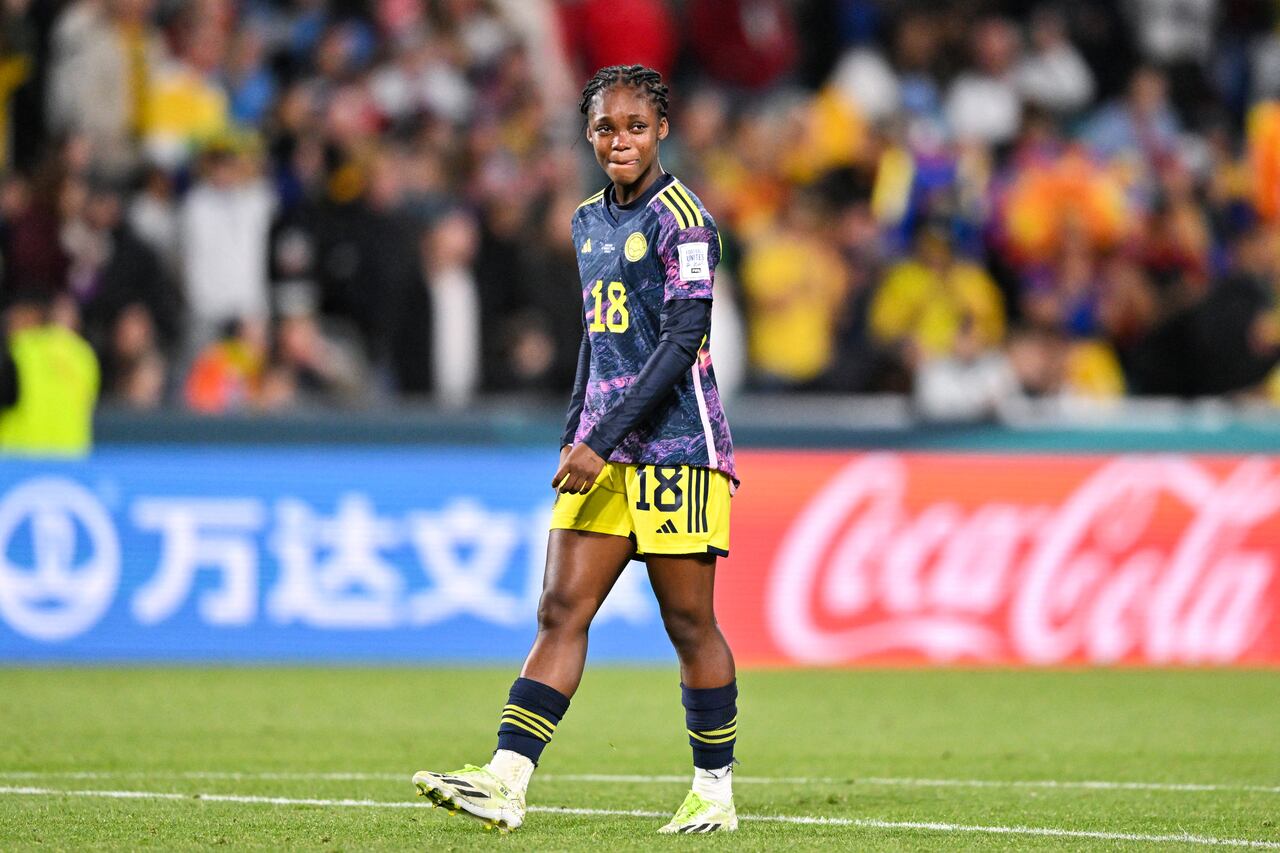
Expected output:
(667, 251)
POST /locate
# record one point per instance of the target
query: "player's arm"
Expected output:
(685, 322)
(579, 396)
(576, 401)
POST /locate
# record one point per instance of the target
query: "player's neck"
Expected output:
(627, 193)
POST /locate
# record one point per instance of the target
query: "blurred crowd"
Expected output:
(273, 204)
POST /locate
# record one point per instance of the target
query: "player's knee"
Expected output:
(688, 629)
(560, 612)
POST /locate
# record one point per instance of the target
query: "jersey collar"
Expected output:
(609, 206)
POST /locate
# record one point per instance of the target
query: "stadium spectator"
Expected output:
(153, 216)
(1234, 334)
(1177, 37)
(602, 33)
(35, 259)
(512, 348)
(48, 380)
(1143, 128)
(449, 252)
(186, 106)
(917, 45)
(310, 367)
(115, 274)
(1128, 310)
(104, 55)
(366, 257)
(226, 375)
(224, 227)
(549, 328)
(971, 383)
(794, 284)
(926, 299)
(749, 44)
(250, 85)
(135, 371)
(983, 104)
(17, 66)
(1053, 75)
(866, 80)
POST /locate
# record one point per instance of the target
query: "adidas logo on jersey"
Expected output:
(586, 247)
(668, 527)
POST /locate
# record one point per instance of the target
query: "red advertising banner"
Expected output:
(928, 558)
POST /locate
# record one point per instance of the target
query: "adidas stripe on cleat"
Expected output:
(476, 792)
(698, 815)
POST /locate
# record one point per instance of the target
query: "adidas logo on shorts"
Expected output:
(668, 527)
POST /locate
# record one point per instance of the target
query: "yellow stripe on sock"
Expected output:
(724, 739)
(528, 724)
(693, 205)
(532, 717)
(516, 721)
(680, 219)
(538, 717)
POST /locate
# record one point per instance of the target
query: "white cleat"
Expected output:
(698, 814)
(476, 792)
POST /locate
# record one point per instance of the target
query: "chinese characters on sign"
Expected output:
(353, 568)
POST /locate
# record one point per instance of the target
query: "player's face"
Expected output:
(624, 128)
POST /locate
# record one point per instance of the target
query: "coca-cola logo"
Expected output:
(1152, 559)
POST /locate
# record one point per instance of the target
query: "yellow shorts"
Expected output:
(664, 509)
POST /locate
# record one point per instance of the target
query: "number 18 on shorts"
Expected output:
(665, 509)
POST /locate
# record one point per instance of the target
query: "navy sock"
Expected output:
(530, 717)
(711, 716)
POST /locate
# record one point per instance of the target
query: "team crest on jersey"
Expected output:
(586, 247)
(635, 247)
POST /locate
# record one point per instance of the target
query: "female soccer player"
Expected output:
(646, 465)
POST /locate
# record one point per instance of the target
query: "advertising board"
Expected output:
(1005, 559)
(435, 554)
(325, 553)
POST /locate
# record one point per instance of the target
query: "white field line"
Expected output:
(891, 781)
(864, 823)
(882, 781)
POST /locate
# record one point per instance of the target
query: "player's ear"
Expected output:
(663, 128)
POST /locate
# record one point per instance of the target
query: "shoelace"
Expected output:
(468, 768)
(692, 804)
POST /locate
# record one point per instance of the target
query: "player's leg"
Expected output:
(582, 566)
(685, 588)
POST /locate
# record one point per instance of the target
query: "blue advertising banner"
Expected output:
(260, 554)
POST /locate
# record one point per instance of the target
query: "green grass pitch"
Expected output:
(177, 759)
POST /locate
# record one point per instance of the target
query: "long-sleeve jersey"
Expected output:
(635, 270)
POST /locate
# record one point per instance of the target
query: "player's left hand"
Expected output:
(578, 470)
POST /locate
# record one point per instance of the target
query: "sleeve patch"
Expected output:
(693, 262)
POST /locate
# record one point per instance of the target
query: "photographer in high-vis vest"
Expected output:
(48, 381)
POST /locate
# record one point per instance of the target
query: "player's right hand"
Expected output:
(579, 468)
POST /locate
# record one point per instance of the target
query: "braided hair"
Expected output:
(638, 76)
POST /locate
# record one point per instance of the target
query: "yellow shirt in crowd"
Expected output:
(1092, 370)
(917, 302)
(796, 288)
